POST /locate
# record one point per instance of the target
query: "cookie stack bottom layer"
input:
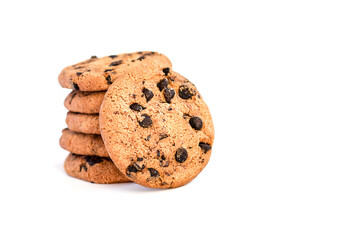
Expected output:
(93, 169)
(88, 159)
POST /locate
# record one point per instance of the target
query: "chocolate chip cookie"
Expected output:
(83, 123)
(83, 144)
(93, 169)
(97, 74)
(157, 129)
(84, 102)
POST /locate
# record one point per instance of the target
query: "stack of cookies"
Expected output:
(132, 118)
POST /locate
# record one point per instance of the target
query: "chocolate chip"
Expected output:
(205, 147)
(134, 168)
(139, 159)
(79, 67)
(83, 166)
(162, 84)
(108, 70)
(72, 97)
(196, 123)
(153, 172)
(164, 163)
(139, 52)
(160, 154)
(184, 92)
(75, 86)
(146, 122)
(138, 167)
(78, 73)
(141, 58)
(163, 136)
(131, 169)
(166, 71)
(136, 107)
(169, 94)
(92, 160)
(148, 138)
(113, 56)
(148, 94)
(93, 57)
(108, 80)
(181, 155)
(116, 63)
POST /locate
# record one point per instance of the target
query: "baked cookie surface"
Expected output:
(84, 102)
(93, 169)
(83, 144)
(97, 74)
(83, 123)
(157, 129)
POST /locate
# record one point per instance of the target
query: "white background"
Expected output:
(281, 79)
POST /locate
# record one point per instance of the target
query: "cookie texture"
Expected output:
(83, 144)
(83, 123)
(93, 169)
(157, 129)
(97, 74)
(84, 102)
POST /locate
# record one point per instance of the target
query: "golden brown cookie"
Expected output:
(84, 102)
(83, 144)
(97, 74)
(93, 169)
(157, 129)
(83, 123)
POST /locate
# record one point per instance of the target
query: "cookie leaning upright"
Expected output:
(157, 129)
(97, 74)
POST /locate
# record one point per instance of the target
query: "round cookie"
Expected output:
(93, 169)
(83, 144)
(97, 74)
(83, 123)
(84, 102)
(157, 129)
